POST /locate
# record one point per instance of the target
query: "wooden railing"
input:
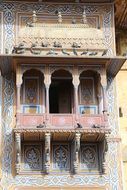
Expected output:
(66, 121)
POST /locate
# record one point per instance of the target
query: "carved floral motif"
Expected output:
(61, 157)
(32, 157)
(89, 156)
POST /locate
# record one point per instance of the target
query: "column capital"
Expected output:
(47, 135)
(76, 80)
(47, 80)
(77, 135)
(17, 135)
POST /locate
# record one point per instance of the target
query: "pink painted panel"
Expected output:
(28, 120)
(90, 120)
(62, 120)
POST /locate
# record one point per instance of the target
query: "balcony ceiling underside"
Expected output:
(113, 64)
(89, 135)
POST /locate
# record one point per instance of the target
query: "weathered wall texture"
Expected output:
(112, 180)
(121, 83)
(122, 102)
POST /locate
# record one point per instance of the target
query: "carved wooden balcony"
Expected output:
(61, 121)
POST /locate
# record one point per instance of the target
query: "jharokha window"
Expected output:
(32, 92)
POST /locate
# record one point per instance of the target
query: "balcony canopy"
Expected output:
(113, 64)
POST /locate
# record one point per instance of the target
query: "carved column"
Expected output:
(18, 97)
(100, 98)
(47, 152)
(76, 82)
(76, 152)
(104, 99)
(18, 106)
(18, 151)
(47, 82)
(104, 86)
(76, 98)
(18, 89)
(104, 153)
(47, 103)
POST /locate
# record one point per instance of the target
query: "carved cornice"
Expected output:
(87, 130)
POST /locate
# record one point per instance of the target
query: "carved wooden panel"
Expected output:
(89, 157)
(87, 91)
(92, 21)
(32, 157)
(61, 157)
(30, 120)
(31, 90)
(62, 120)
(47, 30)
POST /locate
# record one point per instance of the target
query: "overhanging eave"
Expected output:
(112, 64)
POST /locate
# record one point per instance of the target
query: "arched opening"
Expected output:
(33, 92)
(61, 92)
(90, 93)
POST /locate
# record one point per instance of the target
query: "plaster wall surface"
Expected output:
(122, 102)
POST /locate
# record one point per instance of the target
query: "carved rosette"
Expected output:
(76, 152)
(47, 152)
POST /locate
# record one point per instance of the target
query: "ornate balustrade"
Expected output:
(61, 121)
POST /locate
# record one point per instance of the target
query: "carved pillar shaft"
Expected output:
(47, 152)
(104, 99)
(18, 106)
(18, 151)
(76, 152)
(105, 149)
(104, 103)
(18, 98)
(100, 99)
(76, 98)
(47, 102)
